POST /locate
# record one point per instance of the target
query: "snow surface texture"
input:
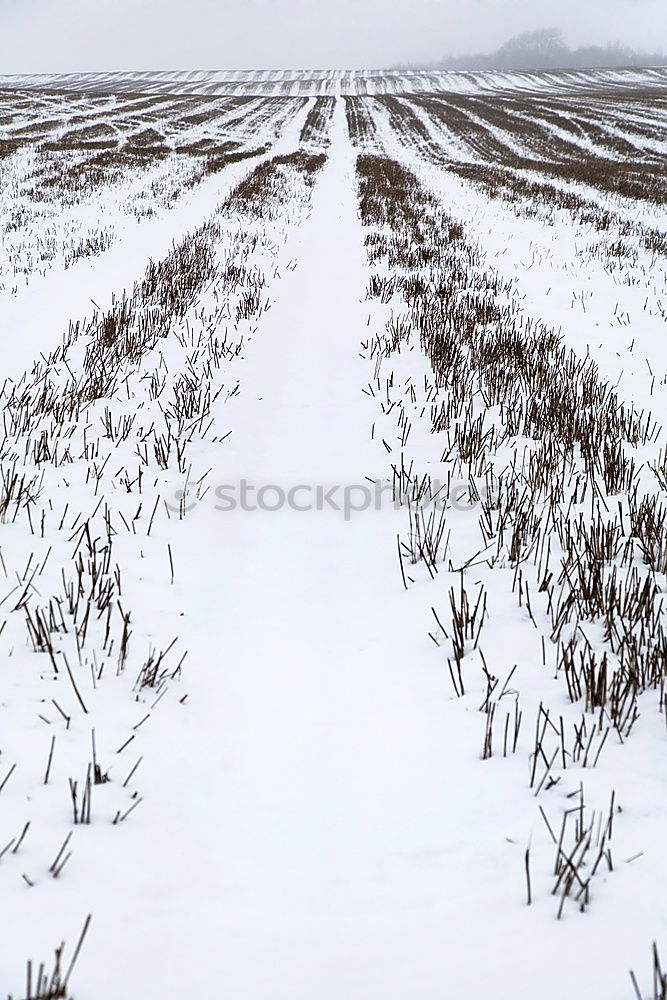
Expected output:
(378, 753)
(327, 82)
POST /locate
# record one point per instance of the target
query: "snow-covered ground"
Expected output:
(236, 724)
(314, 82)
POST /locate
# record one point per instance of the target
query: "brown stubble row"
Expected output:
(539, 154)
(582, 539)
(70, 413)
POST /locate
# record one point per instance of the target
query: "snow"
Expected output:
(351, 81)
(315, 818)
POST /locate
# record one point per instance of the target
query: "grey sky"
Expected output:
(62, 35)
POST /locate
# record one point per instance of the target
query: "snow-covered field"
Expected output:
(347, 82)
(333, 541)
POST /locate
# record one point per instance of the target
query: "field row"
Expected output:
(292, 83)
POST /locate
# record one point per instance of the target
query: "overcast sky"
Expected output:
(64, 35)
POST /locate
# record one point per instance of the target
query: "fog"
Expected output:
(70, 35)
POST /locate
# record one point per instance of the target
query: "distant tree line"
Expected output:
(547, 49)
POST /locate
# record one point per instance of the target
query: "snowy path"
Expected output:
(308, 725)
(300, 800)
